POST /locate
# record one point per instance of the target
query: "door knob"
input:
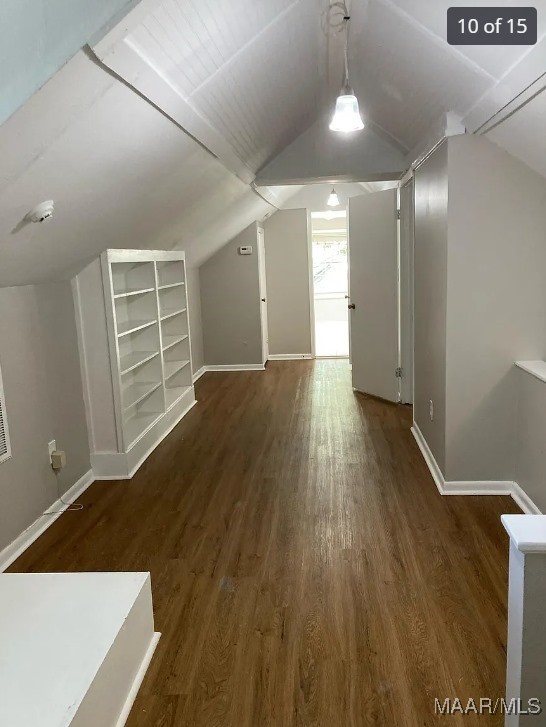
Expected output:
(351, 306)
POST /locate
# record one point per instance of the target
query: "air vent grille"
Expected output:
(5, 450)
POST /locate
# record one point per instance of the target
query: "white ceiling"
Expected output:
(406, 74)
(250, 76)
(120, 173)
(524, 133)
(313, 196)
(253, 69)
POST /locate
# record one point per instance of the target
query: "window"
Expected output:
(5, 449)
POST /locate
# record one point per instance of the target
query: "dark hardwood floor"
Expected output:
(305, 569)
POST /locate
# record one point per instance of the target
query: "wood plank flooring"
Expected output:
(305, 570)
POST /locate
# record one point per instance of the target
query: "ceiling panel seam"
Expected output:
(438, 39)
(247, 45)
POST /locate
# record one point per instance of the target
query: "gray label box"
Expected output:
(492, 26)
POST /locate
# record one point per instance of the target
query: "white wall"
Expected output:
(196, 323)
(496, 302)
(430, 299)
(287, 272)
(44, 401)
(230, 304)
(480, 305)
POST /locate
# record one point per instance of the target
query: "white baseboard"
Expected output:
(522, 499)
(124, 466)
(197, 375)
(290, 356)
(139, 678)
(12, 551)
(236, 367)
(478, 487)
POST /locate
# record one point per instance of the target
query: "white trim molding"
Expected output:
(124, 466)
(235, 367)
(18, 546)
(197, 375)
(137, 683)
(478, 487)
(290, 357)
(523, 500)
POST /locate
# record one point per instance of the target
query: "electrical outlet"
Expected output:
(51, 447)
(431, 410)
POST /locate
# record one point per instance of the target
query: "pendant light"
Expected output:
(347, 114)
(333, 199)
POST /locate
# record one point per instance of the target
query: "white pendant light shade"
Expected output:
(333, 199)
(347, 114)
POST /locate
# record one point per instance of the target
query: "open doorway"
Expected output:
(330, 283)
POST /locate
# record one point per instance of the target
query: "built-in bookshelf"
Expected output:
(149, 347)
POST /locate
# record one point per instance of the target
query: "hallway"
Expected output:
(305, 570)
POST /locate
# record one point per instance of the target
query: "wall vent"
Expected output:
(5, 449)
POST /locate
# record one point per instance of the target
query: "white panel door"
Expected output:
(263, 296)
(373, 304)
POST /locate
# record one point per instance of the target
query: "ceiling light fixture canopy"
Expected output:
(347, 114)
(333, 199)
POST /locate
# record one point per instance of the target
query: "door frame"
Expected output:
(311, 283)
(406, 246)
(262, 285)
(312, 286)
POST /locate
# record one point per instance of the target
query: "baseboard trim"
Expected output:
(197, 375)
(290, 356)
(523, 500)
(137, 683)
(104, 461)
(18, 546)
(236, 367)
(432, 465)
(479, 487)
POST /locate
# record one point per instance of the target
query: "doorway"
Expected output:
(330, 283)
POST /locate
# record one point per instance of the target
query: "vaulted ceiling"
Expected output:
(252, 69)
(154, 137)
(406, 74)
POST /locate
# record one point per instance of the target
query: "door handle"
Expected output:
(263, 300)
(351, 306)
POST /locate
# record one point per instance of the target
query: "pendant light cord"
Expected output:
(336, 20)
(346, 20)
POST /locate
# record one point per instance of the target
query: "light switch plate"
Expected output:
(51, 447)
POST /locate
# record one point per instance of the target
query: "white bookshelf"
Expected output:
(145, 308)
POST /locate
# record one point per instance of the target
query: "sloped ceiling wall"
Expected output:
(523, 134)
(120, 173)
(319, 154)
(249, 76)
(40, 36)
